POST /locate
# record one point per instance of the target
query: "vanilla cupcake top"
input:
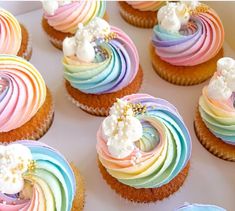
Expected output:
(188, 33)
(22, 92)
(144, 142)
(100, 58)
(64, 16)
(34, 176)
(10, 33)
(217, 103)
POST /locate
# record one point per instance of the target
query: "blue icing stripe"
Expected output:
(200, 207)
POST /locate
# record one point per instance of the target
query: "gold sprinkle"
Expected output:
(32, 165)
(202, 8)
(110, 36)
(138, 108)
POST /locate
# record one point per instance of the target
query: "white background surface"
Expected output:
(211, 180)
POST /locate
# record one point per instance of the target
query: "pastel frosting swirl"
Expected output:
(111, 74)
(219, 116)
(145, 5)
(197, 42)
(51, 184)
(10, 33)
(161, 153)
(22, 92)
(200, 207)
(68, 16)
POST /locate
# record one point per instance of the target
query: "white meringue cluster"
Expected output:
(173, 15)
(50, 6)
(222, 85)
(121, 129)
(83, 43)
(14, 162)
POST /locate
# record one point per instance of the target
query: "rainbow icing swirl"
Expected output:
(159, 155)
(110, 74)
(199, 207)
(68, 16)
(217, 103)
(145, 5)
(219, 116)
(196, 42)
(10, 33)
(50, 185)
(22, 92)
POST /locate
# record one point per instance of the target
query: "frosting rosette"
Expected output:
(217, 102)
(10, 33)
(48, 182)
(192, 34)
(148, 154)
(65, 16)
(199, 207)
(106, 63)
(145, 5)
(22, 92)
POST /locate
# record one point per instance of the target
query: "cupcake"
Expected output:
(215, 115)
(140, 13)
(101, 63)
(186, 43)
(14, 37)
(143, 148)
(26, 108)
(199, 207)
(37, 177)
(62, 18)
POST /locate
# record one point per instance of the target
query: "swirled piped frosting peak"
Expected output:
(188, 33)
(144, 142)
(99, 58)
(10, 33)
(145, 5)
(65, 15)
(34, 176)
(217, 103)
(199, 207)
(22, 92)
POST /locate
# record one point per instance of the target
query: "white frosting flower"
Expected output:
(98, 27)
(82, 44)
(191, 4)
(121, 129)
(172, 16)
(50, 6)
(14, 161)
(218, 89)
(69, 46)
(222, 85)
(118, 108)
(85, 52)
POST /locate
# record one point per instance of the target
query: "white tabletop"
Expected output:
(211, 180)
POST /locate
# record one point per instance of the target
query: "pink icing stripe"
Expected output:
(145, 5)
(10, 33)
(130, 46)
(115, 164)
(193, 52)
(24, 96)
(67, 17)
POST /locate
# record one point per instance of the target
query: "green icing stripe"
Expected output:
(166, 171)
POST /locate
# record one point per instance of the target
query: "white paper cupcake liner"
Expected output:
(91, 110)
